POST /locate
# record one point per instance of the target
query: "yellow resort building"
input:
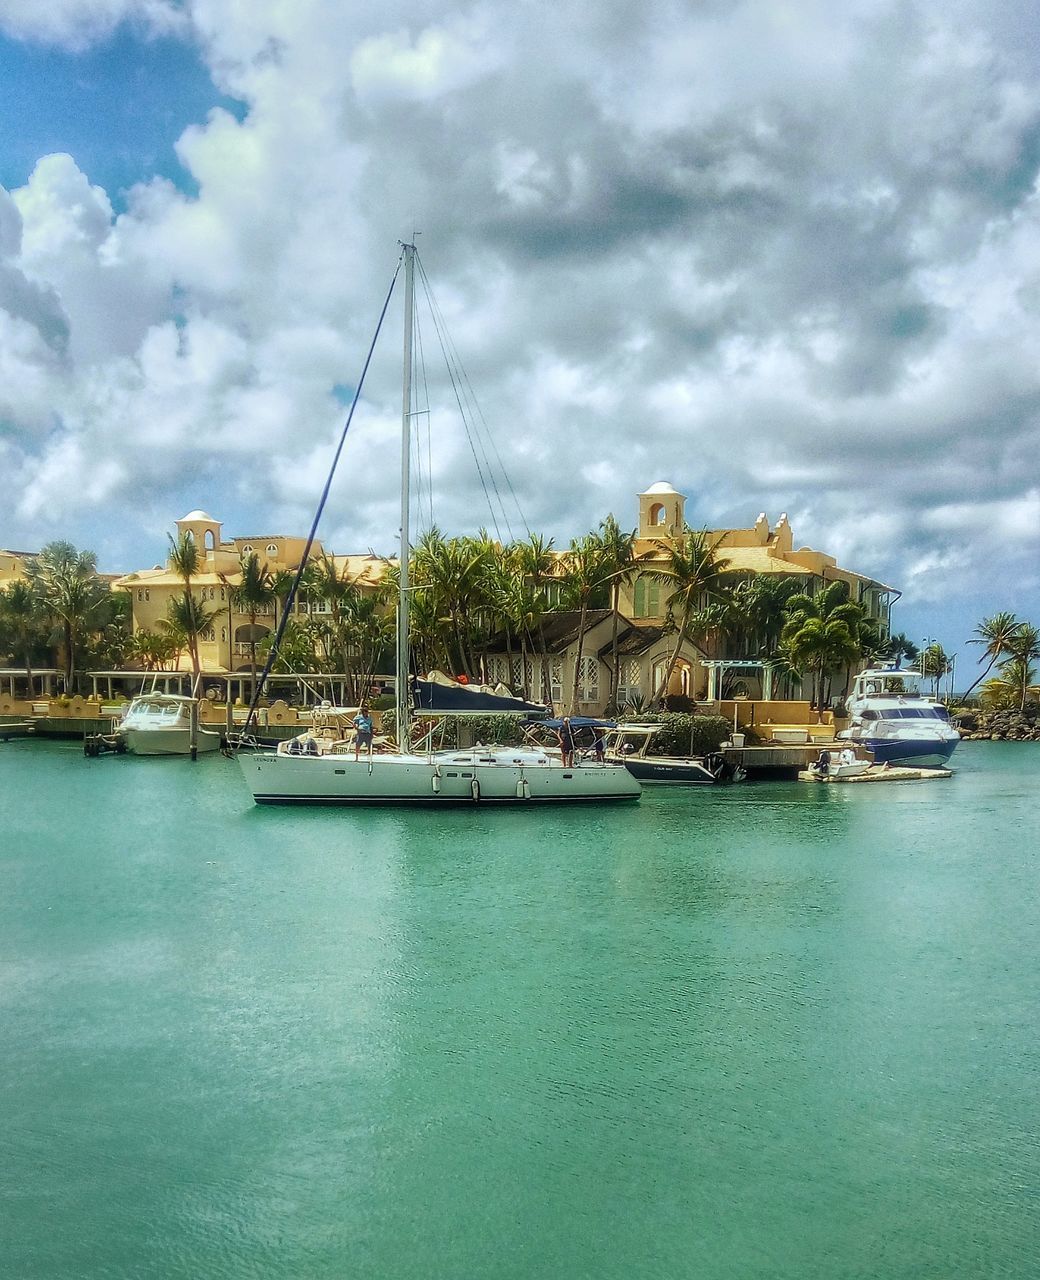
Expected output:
(12, 566)
(759, 549)
(227, 646)
(553, 657)
(644, 640)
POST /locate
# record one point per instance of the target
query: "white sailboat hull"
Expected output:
(278, 778)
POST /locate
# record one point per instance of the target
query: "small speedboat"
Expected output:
(839, 766)
(896, 722)
(159, 724)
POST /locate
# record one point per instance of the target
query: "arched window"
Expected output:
(272, 549)
(209, 540)
(247, 550)
(657, 513)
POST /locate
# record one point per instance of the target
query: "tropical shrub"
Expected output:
(683, 735)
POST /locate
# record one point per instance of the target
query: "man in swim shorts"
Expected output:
(362, 732)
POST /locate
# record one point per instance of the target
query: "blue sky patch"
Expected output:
(117, 108)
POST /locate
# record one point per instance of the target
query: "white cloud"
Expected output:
(787, 255)
(77, 23)
(438, 61)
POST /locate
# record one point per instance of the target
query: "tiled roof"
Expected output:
(634, 639)
(554, 632)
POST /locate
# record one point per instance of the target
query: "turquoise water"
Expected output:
(764, 1031)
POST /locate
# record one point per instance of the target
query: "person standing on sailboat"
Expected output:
(566, 736)
(362, 732)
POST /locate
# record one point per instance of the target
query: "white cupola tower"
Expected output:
(204, 529)
(661, 511)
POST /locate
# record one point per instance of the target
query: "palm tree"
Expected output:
(186, 619)
(935, 663)
(20, 617)
(154, 649)
(66, 584)
(620, 563)
(370, 637)
(838, 639)
(458, 575)
(252, 595)
(1023, 649)
(700, 590)
(585, 575)
(338, 590)
(184, 557)
(185, 611)
(900, 646)
(759, 610)
(994, 634)
(821, 645)
(515, 608)
(1011, 688)
(296, 649)
(538, 564)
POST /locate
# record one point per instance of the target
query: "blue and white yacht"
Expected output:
(898, 723)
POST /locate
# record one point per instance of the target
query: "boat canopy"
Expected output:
(440, 695)
(578, 722)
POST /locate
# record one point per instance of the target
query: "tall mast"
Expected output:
(403, 701)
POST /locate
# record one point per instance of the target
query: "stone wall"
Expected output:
(999, 726)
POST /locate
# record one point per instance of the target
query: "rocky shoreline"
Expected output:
(999, 726)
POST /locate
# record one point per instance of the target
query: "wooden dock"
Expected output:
(16, 729)
(777, 761)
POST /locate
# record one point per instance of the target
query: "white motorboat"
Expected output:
(159, 724)
(845, 764)
(633, 746)
(319, 767)
(896, 722)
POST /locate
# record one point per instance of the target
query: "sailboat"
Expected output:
(320, 768)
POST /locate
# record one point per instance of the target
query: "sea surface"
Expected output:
(775, 1030)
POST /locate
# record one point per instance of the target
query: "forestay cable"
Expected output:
(291, 597)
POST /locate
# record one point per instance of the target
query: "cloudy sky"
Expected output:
(784, 255)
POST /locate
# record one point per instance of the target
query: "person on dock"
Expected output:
(822, 767)
(362, 732)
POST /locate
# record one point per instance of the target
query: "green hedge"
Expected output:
(684, 735)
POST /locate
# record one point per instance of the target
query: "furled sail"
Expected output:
(440, 695)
